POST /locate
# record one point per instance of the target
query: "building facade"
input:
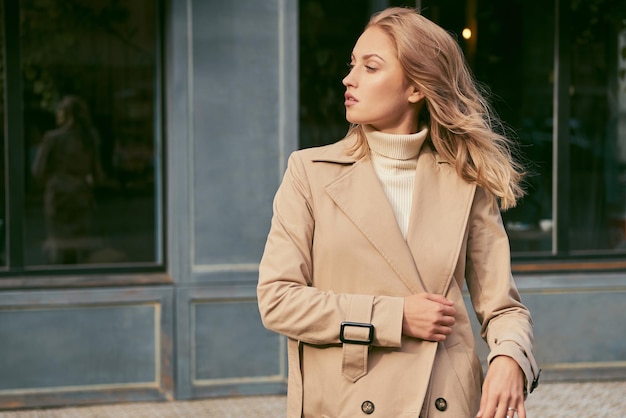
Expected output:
(129, 258)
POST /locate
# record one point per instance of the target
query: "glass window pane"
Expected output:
(326, 42)
(598, 126)
(89, 75)
(3, 239)
(511, 52)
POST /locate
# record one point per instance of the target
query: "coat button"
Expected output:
(367, 407)
(441, 404)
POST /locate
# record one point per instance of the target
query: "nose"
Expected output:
(348, 80)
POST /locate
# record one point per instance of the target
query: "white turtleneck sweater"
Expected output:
(395, 158)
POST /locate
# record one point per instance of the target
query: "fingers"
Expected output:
(428, 316)
(488, 406)
(439, 334)
(446, 307)
(432, 331)
(446, 316)
(517, 411)
(510, 412)
(502, 412)
(501, 407)
(439, 298)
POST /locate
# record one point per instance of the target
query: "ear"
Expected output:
(416, 95)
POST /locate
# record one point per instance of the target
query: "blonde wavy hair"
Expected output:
(464, 129)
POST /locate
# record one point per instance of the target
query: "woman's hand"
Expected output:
(503, 390)
(428, 316)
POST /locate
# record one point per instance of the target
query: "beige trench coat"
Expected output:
(335, 254)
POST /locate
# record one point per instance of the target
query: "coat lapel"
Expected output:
(359, 194)
(426, 260)
(440, 208)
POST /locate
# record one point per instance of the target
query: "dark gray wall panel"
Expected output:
(84, 346)
(239, 102)
(251, 348)
(585, 327)
(76, 346)
(223, 348)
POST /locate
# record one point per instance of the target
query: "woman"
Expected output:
(68, 163)
(373, 236)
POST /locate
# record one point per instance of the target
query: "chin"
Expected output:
(355, 121)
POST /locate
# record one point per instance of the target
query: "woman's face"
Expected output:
(377, 91)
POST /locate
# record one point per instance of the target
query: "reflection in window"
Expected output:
(597, 126)
(515, 55)
(89, 77)
(3, 238)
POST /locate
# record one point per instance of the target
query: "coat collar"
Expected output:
(338, 152)
(426, 260)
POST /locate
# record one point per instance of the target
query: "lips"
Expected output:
(350, 99)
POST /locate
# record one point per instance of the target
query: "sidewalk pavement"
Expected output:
(550, 400)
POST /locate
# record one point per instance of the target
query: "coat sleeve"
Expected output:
(506, 324)
(288, 301)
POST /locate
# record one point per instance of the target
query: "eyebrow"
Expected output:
(368, 56)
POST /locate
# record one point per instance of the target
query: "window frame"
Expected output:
(561, 259)
(15, 274)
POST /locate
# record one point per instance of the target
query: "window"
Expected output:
(511, 51)
(2, 145)
(557, 79)
(596, 100)
(82, 124)
(327, 37)
(556, 71)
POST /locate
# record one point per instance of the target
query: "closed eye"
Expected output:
(368, 68)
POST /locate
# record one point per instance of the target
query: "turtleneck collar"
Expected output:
(395, 146)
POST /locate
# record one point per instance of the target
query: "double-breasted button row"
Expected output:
(367, 407)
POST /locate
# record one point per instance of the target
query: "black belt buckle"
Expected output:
(345, 324)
